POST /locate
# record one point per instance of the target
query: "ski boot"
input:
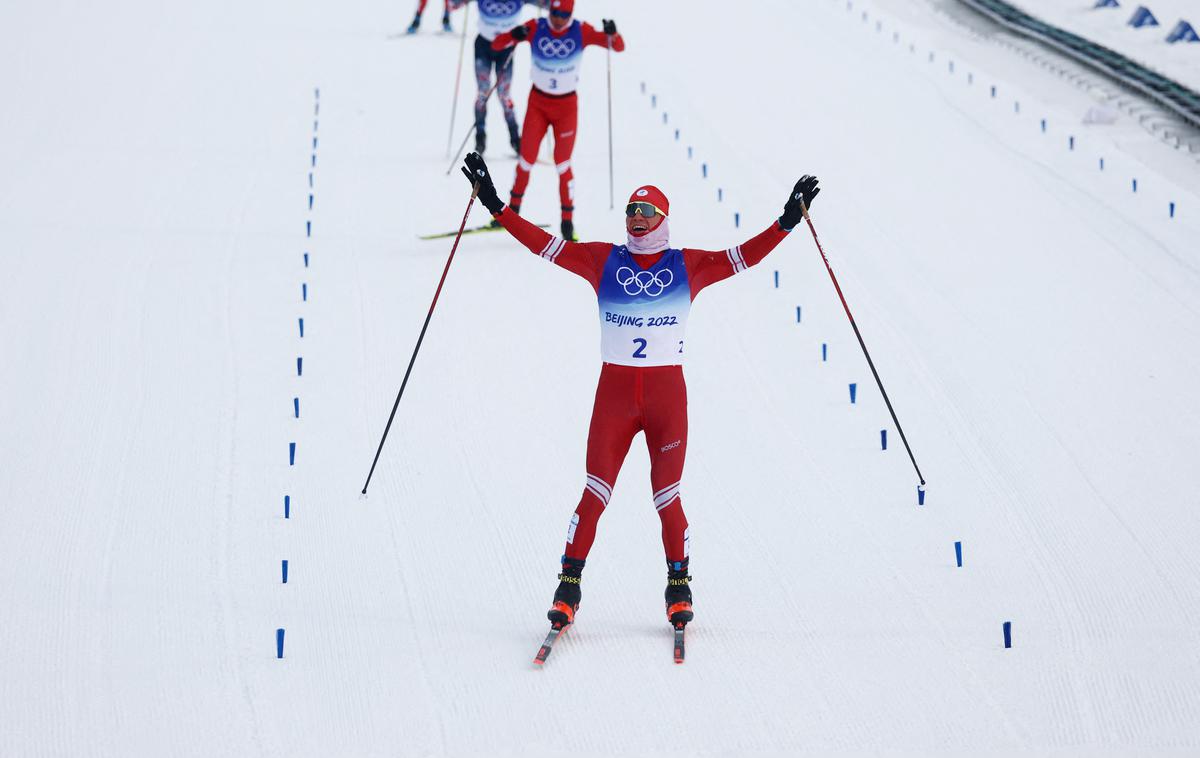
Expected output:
(566, 597)
(678, 594)
(568, 231)
(514, 139)
(480, 141)
(415, 25)
(446, 24)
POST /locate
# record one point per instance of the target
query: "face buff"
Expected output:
(654, 241)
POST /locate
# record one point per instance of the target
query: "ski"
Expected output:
(679, 642)
(544, 652)
(471, 230)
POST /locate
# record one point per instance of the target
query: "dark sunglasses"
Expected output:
(560, 14)
(646, 209)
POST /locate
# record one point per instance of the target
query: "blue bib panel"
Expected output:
(643, 312)
(556, 59)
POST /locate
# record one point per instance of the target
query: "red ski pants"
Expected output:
(631, 399)
(560, 112)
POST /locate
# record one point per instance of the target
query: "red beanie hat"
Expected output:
(653, 195)
(562, 6)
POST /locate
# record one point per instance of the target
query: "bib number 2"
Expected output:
(641, 348)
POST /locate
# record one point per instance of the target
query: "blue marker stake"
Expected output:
(1016, 106)
(304, 292)
(306, 260)
(315, 124)
(921, 494)
(285, 571)
(1007, 634)
(797, 314)
(296, 406)
(993, 91)
(1171, 210)
(314, 143)
(737, 220)
(278, 643)
(958, 553)
(664, 117)
(310, 199)
(970, 78)
(318, 93)
(301, 328)
(689, 152)
(643, 88)
(291, 453)
(287, 506)
(310, 183)
(654, 101)
(883, 439)
(853, 392)
(314, 160)
(1101, 164)
(704, 170)
(720, 194)
(299, 367)
(1135, 185)
(776, 280)
(307, 228)
(676, 135)
(824, 352)
(1071, 142)
(1043, 126)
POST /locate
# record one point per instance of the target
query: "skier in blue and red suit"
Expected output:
(645, 290)
(556, 46)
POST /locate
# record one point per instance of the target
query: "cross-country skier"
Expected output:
(557, 48)
(495, 18)
(416, 22)
(645, 289)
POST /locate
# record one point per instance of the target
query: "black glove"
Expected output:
(477, 171)
(520, 33)
(610, 26)
(805, 192)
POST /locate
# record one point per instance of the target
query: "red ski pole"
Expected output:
(421, 337)
(862, 344)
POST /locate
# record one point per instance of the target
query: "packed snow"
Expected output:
(1036, 323)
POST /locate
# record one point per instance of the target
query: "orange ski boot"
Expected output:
(678, 594)
(568, 594)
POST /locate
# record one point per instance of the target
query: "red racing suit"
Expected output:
(556, 58)
(644, 301)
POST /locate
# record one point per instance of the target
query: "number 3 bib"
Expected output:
(556, 59)
(643, 312)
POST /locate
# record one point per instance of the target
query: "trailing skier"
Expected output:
(645, 290)
(416, 22)
(557, 45)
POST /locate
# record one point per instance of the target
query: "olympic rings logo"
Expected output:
(556, 48)
(499, 7)
(650, 282)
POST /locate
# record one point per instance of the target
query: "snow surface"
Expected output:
(1110, 27)
(1035, 321)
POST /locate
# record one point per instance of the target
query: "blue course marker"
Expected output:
(676, 135)
(1135, 185)
(737, 220)
(643, 88)
(299, 366)
(1101, 164)
(797, 314)
(314, 143)
(1071, 142)
(1043, 126)
(824, 352)
(314, 160)
(1171, 211)
(689, 152)
(278, 643)
(776, 280)
(664, 117)
(285, 571)
(1007, 634)
(993, 91)
(720, 194)
(1016, 106)
(853, 392)
(302, 327)
(310, 199)
(287, 506)
(883, 439)
(291, 453)
(296, 406)
(654, 101)
(315, 122)
(310, 181)
(958, 553)
(304, 291)
(704, 170)
(308, 228)
(921, 494)
(306, 260)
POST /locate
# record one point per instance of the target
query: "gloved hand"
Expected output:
(520, 33)
(805, 192)
(477, 171)
(610, 26)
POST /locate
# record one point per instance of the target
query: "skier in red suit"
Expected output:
(645, 290)
(556, 46)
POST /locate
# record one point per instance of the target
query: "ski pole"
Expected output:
(421, 337)
(608, 59)
(861, 343)
(462, 46)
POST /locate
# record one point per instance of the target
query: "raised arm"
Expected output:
(583, 258)
(515, 35)
(593, 37)
(707, 267)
